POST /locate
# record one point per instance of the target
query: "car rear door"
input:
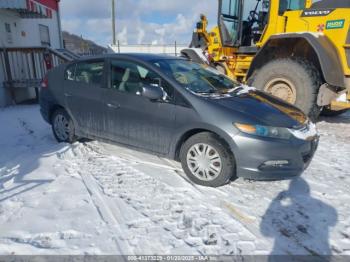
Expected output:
(83, 84)
(138, 121)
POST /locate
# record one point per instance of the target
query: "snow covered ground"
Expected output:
(94, 198)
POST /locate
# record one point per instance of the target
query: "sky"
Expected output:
(138, 21)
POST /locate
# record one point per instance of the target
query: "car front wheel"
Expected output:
(207, 161)
(63, 127)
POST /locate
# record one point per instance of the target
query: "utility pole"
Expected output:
(113, 23)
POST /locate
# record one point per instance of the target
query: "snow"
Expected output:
(95, 198)
(243, 89)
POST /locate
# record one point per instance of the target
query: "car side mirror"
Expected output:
(152, 92)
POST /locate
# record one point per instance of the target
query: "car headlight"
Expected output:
(307, 132)
(264, 131)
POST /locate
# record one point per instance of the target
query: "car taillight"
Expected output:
(45, 83)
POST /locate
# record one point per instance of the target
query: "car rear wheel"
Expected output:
(63, 127)
(207, 161)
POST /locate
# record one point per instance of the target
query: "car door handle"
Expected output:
(67, 95)
(113, 106)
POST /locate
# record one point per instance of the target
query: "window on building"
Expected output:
(44, 35)
(8, 33)
(8, 28)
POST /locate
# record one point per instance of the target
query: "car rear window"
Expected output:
(85, 72)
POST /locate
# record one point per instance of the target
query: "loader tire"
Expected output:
(294, 81)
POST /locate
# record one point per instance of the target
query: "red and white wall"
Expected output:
(16, 31)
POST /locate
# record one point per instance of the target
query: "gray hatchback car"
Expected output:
(172, 107)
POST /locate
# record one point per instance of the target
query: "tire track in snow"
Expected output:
(134, 227)
(190, 221)
(105, 211)
(248, 221)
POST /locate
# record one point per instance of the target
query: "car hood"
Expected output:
(262, 108)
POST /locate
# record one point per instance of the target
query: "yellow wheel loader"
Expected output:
(297, 50)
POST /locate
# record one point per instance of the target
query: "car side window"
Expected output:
(89, 72)
(69, 74)
(130, 77)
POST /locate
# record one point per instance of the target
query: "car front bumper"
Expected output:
(252, 152)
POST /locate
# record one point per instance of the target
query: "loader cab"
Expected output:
(243, 22)
(230, 12)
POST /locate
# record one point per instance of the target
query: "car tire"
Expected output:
(294, 81)
(216, 172)
(63, 127)
(332, 113)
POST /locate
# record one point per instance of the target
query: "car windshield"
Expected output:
(200, 79)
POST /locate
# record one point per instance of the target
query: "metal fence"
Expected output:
(26, 67)
(169, 49)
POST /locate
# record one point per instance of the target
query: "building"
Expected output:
(28, 23)
(29, 31)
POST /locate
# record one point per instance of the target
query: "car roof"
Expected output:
(141, 56)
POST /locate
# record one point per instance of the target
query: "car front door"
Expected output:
(136, 120)
(83, 93)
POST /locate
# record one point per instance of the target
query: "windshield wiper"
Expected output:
(212, 91)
